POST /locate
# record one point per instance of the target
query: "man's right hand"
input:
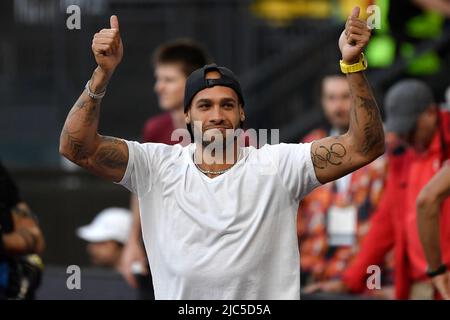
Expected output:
(107, 47)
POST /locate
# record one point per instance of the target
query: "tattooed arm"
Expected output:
(79, 141)
(429, 206)
(334, 157)
(26, 236)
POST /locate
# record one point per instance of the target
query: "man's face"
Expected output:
(169, 86)
(105, 253)
(216, 109)
(336, 101)
(421, 135)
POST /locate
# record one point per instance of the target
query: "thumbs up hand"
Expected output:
(354, 38)
(107, 47)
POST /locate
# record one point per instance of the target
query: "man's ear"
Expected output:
(187, 117)
(241, 113)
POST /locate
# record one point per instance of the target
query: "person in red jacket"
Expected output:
(334, 218)
(413, 116)
(429, 205)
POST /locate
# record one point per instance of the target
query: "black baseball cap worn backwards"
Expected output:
(196, 82)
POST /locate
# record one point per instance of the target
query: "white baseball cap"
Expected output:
(110, 224)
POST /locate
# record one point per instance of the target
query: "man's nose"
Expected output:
(340, 105)
(216, 115)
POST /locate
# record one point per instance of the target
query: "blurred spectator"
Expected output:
(106, 235)
(21, 241)
(173, 62)
(334, 218)
(413, 115)
(429, 205)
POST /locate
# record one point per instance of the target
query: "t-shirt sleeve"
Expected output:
(144, 164)
(295, 168)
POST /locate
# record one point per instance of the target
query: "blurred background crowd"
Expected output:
(286, 56)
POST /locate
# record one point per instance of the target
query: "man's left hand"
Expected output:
(354, 38)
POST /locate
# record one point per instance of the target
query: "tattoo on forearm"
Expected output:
(365, 123)
(323, 156)
(80, 141)
(87, 110)
(75, 145)
(354, 116)
(110, 155)
(373, 130)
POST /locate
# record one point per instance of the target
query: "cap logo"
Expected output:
(217, 82)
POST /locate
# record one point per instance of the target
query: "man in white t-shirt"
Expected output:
(220, 219)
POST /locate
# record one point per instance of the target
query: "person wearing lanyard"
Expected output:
(333, 219)
(414, 116)
(21, 240)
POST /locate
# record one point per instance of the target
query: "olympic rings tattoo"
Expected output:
(332, 156)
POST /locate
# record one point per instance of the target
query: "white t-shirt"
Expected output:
(229, 237)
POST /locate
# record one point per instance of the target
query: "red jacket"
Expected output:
(159, 129)
(407, 174)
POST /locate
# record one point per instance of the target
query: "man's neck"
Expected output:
(215, 160)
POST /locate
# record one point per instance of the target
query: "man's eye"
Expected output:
(228, 105)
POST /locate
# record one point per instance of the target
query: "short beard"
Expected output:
(219, 146)
(205, 143)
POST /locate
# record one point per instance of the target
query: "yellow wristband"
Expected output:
(356, 67)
